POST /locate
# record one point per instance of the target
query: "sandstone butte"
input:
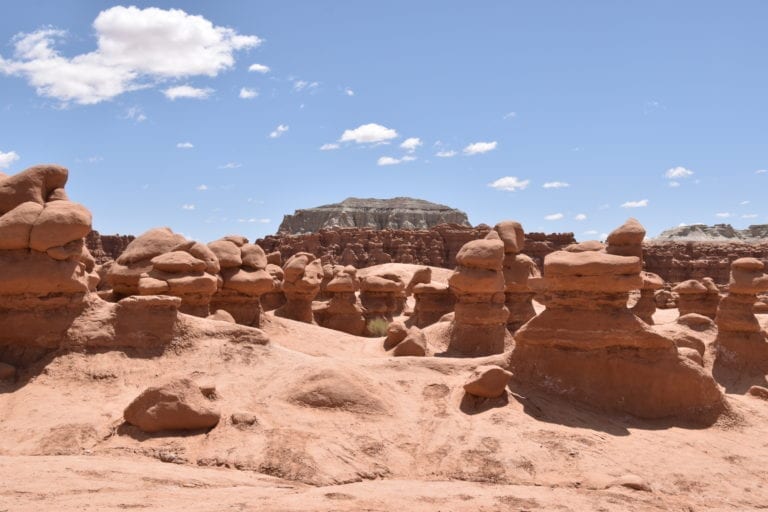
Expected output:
(286, 374)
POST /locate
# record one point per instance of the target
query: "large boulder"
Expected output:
(175, 405)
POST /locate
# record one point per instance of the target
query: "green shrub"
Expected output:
(378, 327)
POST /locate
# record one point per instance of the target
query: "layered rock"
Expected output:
(432, 302)
(645, 306)
(694, 296)
(381, 296)
(741, 342)
(716, 233)
(106, 248)
(587, 345)
(302, 276)
(175, 405)
(396, 213)
(342, 312)
(244, 279)
(47, 270)
(518, 268)
(480, 323)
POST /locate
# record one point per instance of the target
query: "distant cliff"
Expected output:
(106, 247)
(397, 213)
(717, 233)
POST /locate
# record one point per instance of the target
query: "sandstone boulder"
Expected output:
(176, 405)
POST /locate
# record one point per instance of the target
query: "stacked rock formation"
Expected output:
(188, 271)
(244, 279)
(587, 345)
(741, 342)
(382, 296)
(303, 274)
(696, 296)
(480, 323)
(124, 274)
(342, 312)
(645, 306)
(432, 302)
(46, 269)
(518, 268)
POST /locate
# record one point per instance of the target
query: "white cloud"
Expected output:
(300, 85)
(247, 94)
(408, 158)
(349, 92)
(187, 91)
(329, 147)
(635, 204)
(136, 49)
(509, 183)
(581, 216)
(277, 132)
(554, 216)
(674, 184)
(744, 202)
(231, 165)
(134, 113)
(723, 215)
(187, 207)
(510, 115)
(254, 220)
(388, 160)
(761, 171)
(411, 144)
(677, 173)
(258, 68)
(446, 154)
(749, 216)
(477, 148)
(368, 133)
(556, 184)
(591, 232)
(185, 145)
(6, 159)
(202, 187)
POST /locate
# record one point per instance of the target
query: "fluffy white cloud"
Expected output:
(247, 94)
(408, 158)
(349, 92)
(6, 159)
(136, 49)
(187, 91)
(329, 147)
(202, 187)
(723, 215)
(277, 132)
(387, 160)
(510, 115)
(509, 183)
(554, 216)
(580, 216)
(677, 173)
(744, 203)
(635, 204)
(187, 207)
(749, 216)
(185, 145)
(556, 184)
(446, 154)
(258, 68)
(411, 144)
(478, 148)
(300, 85)
(368, 133)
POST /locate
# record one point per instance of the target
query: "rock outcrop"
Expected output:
(587, 345)
(716, 233)
(176, 405)
(694, 296)
(342, 312)
(381, 296)
(679, 261)
(518, 268)
(301, 284)
(396, 213)
(105, 248)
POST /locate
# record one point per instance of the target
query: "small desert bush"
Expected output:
(378, 327)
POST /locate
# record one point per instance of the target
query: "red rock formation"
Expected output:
(679, 261)
(107, 247)
(303, 274)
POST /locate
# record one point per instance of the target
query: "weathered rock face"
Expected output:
(588, 345)
(47, 271)
(432, 302)
(645, 306)
(741, 342)
(716, 233)
(175, 405)
(679, 261)
(342, 312)
(518, 268)
(436, 247)
(301, 284)
(107, 247)
(381, 296)
(480, 323)
(700, 297)
(396, 213)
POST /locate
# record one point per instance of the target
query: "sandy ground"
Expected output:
(389, 434)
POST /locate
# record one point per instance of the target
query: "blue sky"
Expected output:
(567, 116)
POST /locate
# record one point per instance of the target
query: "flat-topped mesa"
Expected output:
(694, 296)
(301, 284)
(741, 341)
(480, 323)
(587, 345)
(517, 268)
(243, 279)
(342, 312)
(47, 270)
(396, 213)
